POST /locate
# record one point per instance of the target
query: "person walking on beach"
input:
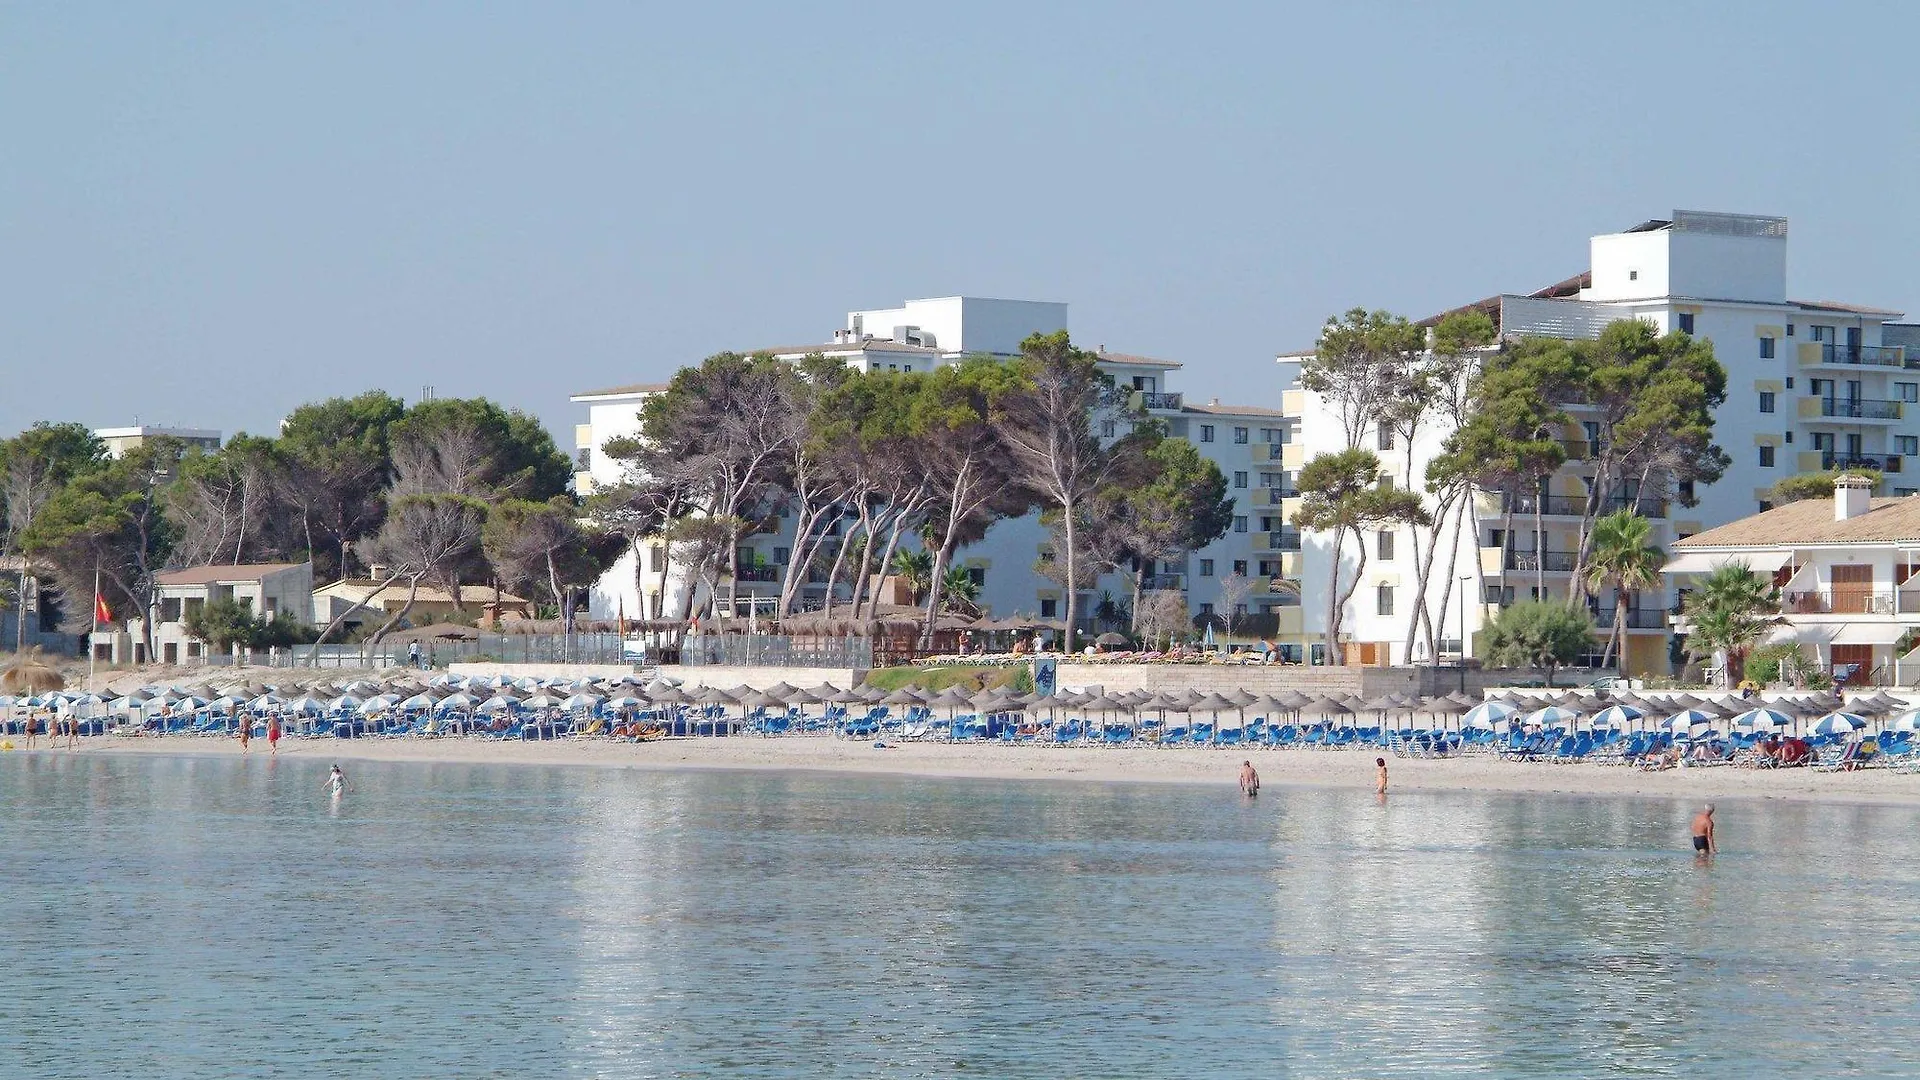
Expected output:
(1380, 776)
(413, 654)
(336, 782)
(273, 734)
(1703, 842)
(1249, 780)
(246, 732)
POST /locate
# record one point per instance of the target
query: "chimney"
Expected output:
(1852, 496)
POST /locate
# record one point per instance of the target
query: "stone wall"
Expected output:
(728, 677)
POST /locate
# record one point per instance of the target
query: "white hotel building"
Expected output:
(1245, 441)
(1811, 384)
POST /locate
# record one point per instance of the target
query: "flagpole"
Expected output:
(95, 623)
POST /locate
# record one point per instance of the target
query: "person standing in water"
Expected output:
(1249, 780)
(1704, 844)
(246, 732)
(273, 734)
(336, 782)
(1380, 776)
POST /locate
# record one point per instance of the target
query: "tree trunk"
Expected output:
(833, 574)
(937, 580)
(1462, 508)
(886, 561)
(313, 657)
(413, 590)
(1073, 580)
(1539, 548)
(1331, 631)
(1340, 606)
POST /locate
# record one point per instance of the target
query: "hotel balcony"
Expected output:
(1849, 409)
(1851, 601)
(1148, 400)
(757, 573)
(1576, 506)
(1815, 460)
(1281, 540)
(1553, 562)
(1156, 582)
(1274, 496)
(1637, 618)
(1827, 353)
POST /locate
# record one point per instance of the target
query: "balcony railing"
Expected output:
(1869, 355)
(1159, 399)
(757, 573)
(1860, 409)
(1886, 463)
(1637, 618)
(1152, 582)
(1576, 505)
(1283, 540)
(1839, 601)
(1553, 562)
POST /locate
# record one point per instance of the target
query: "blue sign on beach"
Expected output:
(1046, 672)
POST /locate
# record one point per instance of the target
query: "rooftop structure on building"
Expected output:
(921, 335)
(1811, 385)
(119, 440)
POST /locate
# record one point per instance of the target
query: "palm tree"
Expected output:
(915, 569)
(959, 593)
(1622, 557)
(1728, 613)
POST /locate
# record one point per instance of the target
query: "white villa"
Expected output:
(1245, 441)
(1848, 571)
(1811, 384)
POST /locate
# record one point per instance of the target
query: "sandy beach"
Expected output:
(1283, 767)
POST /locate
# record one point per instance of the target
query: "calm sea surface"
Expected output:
(184, 917)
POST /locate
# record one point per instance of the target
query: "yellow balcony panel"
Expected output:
(1809, 461)
(1809, 408)
(1293, 402)
(1290, 619)
(583, 437)
(1293, 455)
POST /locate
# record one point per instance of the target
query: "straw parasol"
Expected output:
(31, 674)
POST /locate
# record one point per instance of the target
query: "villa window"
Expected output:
(1909, 444)
(1383, 437)
(1206, 432)
(1766, 401)
(1240, 435)
(1766, 457)
(1907, 391)
(1240, 567)
(1239, 479)
(1240, 523)
(1049, 609)
(1383, 600)
(1766, 348)
(1206, 567)
(1686, 322)
(1384, 543)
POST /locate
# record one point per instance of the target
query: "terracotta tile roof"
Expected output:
(617, 391)
(1135, 360)
(844, 348)
(222, 575)
(1844, 309)
(1230, 410)
(1810, 521)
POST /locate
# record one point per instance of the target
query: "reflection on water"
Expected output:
(212, 917)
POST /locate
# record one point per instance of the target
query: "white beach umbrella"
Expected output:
(1835, 723)
(309, 705)
(1906, 721)
(345, 703)
(1761, 718)
(1488, 713)
(625, 701)
(541, 701)
(455, 703)
(417, 703)
(497, 703)
(582, 700)
(1550, 716)
(1615, 716)
(1687, 719)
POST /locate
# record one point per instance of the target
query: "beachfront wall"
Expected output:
(1366, 682)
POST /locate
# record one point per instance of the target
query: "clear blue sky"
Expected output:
(210, 213)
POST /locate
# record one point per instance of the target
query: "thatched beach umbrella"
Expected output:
(31, 674)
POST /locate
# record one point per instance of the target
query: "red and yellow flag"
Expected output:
(101, 613)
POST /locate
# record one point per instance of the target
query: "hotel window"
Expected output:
(1269, 568)
(1206, 432)
(1789, 437)
(1907, 391)
(1107, 428)
(1268, 524)
(1789, 329)
(1049, 609)
(1686, 322)
(1789, 382)
(1766, 348)
(1910, 445)
(1823, 440)
(1272, 479)
(1383, 600)
(1206, 611)
(1766, 401)
(1240, 567)
(1384, 545)
(1240, 523)
(1383, 437)
(781, 555)
(1766, 457)
(1821, 333)
(977, 575)
(1206, 567)
(1240, 435)
(1239, 479)
(1272, 436)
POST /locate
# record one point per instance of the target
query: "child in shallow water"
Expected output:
(1380, 783)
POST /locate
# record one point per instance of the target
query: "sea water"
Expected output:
(213, 917)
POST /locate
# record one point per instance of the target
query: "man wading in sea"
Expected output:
(1249, 780)
(1703, 842)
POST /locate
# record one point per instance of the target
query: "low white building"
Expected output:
(1848, 574)
(1811, 384)
(918, 336)
(267, 589)
(119, 440)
